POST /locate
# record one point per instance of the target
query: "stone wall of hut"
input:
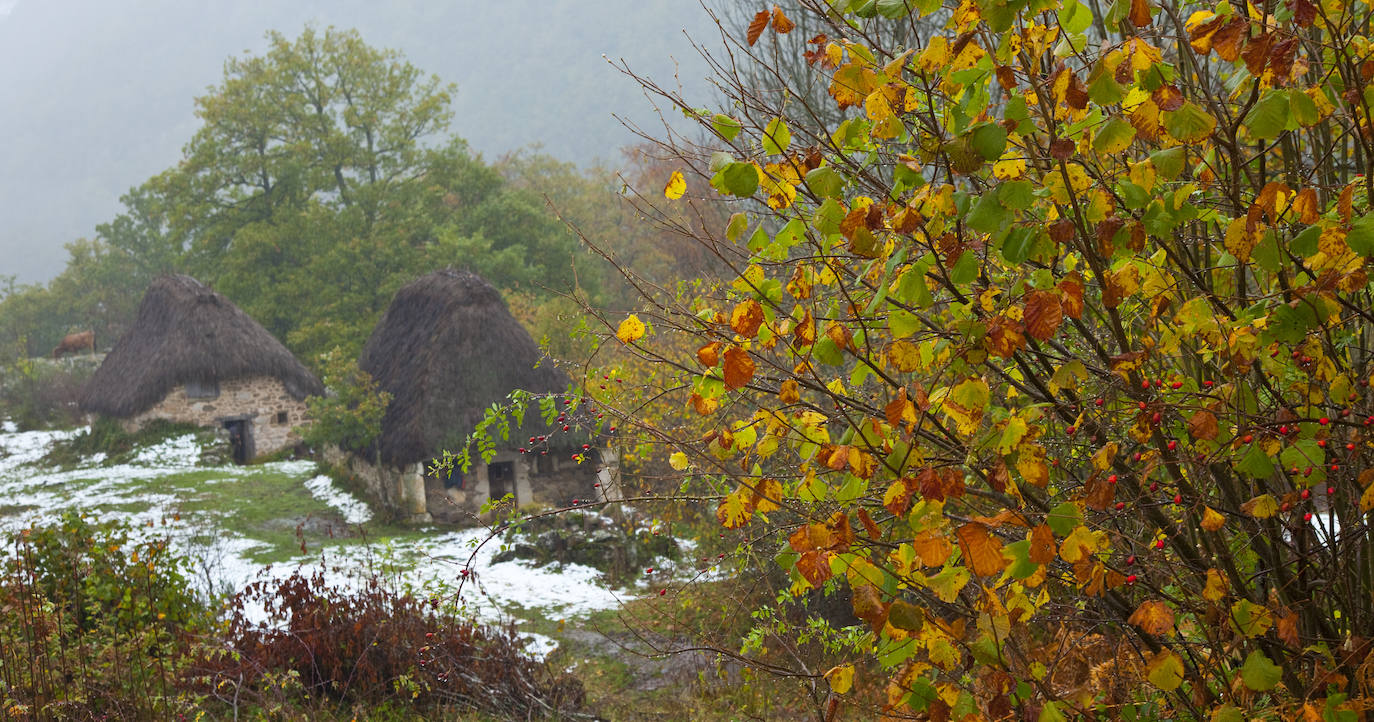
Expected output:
(417, 497)
(272, 411)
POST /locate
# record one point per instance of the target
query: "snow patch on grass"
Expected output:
(181, 452)
(353, 509)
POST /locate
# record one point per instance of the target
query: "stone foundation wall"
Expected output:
(413, 496)
(272, 412)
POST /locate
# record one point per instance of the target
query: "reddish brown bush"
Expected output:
(373, 645)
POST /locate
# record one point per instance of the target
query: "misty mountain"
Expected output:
(98, 95)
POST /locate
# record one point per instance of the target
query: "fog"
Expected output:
(98, 94)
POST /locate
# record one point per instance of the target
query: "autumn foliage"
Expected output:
(1055, 351)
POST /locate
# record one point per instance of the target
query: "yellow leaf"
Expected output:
(734, 510)
(1079, 545)
(767, 493)
(1367, 499)
(1165, 670)
(677, 185)
(1212, 520)
(1261, 507)
(841, 678)
(678, 461)
(1153, 617)
(631, 329)
(904, 356)
(1216, 587)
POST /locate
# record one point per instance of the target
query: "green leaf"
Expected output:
(1114, 136)
(1063, 519)
(965, 269)
(989, 139)
(1168, 163)
(1361, 235)
(1270, 115)
(1255, 464)
(1075, 17)
(739, 179)
(1306, 243)
(1251, 619)
(726, 126)
(1016, 195)
(1190, 123)
(1017, 244)
(1021, 565)
(1259, 673)
(825, 182)
(1051, 713)
(1104, 90)
(1227, 713)
(739, 223)
(776, 137)
(893, 9)
(987, 214)
(1290, 324)
(1304, 109)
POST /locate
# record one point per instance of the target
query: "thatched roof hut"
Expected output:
(187, 333)
(446, 350)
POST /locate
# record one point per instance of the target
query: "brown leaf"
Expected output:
(898, 497)
(1153, 617)
(868, 605)
(1345, 203)
(841, 335)
(815, 567)
(1062, 231)
(1227, 40)
(840, 532)
(757, 25)
(1140, 13)
(1076, 96)
(1281, 58)
(1042, 545)
(1005, 337)
(1266, 203)
(1304, 12)
(1098, 493)
(1071, 294)
(1006, 77)
(1287, 629)
(1043, 314)
(709, 355)
(1168, 97)
(982, 552)
(869, 526)
(900, 411)
(1061, 149)
(1256, 53)
(739, 367)
(1201, 37)
(1106, 231)
(746, 318)
(781, 24)
(1203, 425)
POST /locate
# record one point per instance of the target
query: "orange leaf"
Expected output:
(746, 318)
(868, 605)
(756, 26)
(1227, 39)
(790, 392)
(897, 498)
(900, 411)
(709, 355)
(739, 367)
(1287, 629)
(1071, 295)
(1043, 314)
(933, 549)
(982, 552)
(703, 405)
(781, 24)
(815, 567)
(1005, 337)
(1140, 13)
(1203, 425)
(1306, 207)
(1042, 546)
(1153, 617)
(869, 526)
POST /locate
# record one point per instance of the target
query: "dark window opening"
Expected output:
(281, 417)
(455, 479)
(202, 389)
(544, 464)
(500, 479)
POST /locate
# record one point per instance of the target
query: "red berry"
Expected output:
(1286, 506)
(565, 427)
(1307, 471)
(1071, 429)
(661, 592)
(1248, 438)
(1130, 579)
(1159, 384)
(585, 447)
(1178, 385)
(1306, 493)
(1141, 405)
(1349, 447)
(1330, 490)
(1172, 444)
(1154, 486)
(1098, 402)
(1155, 418)
(1307, 516)
(612, 428)
(1137, 456)
(1178, 498)
(1145, 384)
(1208, 383)
(1323, 421)
(1120, 505)
(1321, 443)
(1111, 479)
(1335, 467)
(1159, 543)
(650, 570)
(1130, 560)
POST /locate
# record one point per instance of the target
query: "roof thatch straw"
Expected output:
(186, 332)
(446, 350)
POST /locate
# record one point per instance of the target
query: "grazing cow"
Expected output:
(74, 342)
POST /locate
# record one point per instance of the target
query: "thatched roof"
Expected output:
(186, 332)
(446, 350)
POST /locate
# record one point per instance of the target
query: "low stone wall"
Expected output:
(412, 495)
(263, 401)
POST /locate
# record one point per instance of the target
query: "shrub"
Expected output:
(338, 647)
